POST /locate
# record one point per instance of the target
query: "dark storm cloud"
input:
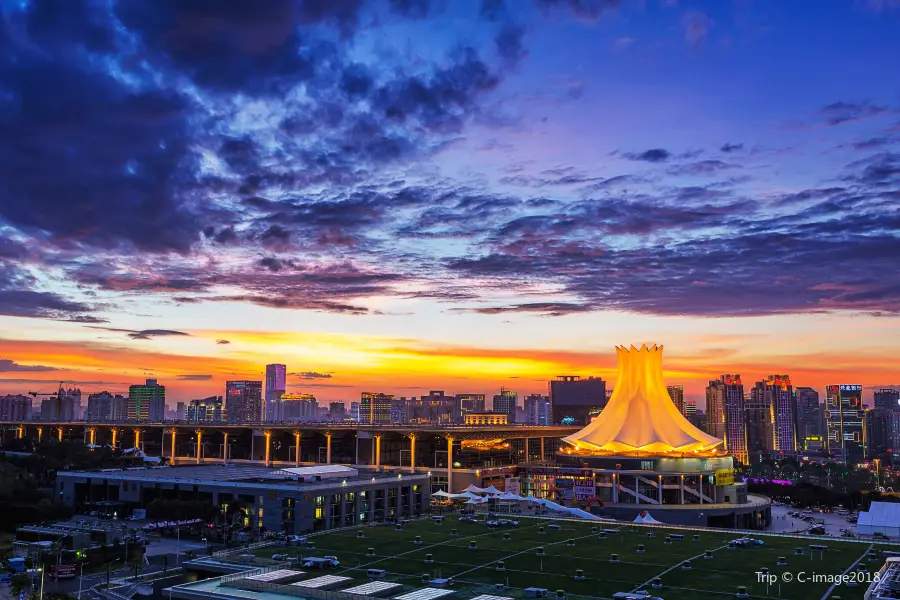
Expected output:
(20, 297)
(702, 167)
(11, 366)
(653, 155)
(58, 113)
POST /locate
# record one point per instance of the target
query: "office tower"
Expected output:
(506, 402)
(100, 407)
(436, 407)
(276, 384)
(883, 434)
(676, 393)
(243, 401)
(780, 394)
(888, 398)
(400, 411)
(576, 401)
(147, 402)
(354, 412)
(337, 411)
(375, 408)
(468, 403)
(725, 414)
(15, 408)
(845, 439)
(808, 415)
(179, 411)
(537, 409)
(205, 410)
(299, 407)
(759, 418)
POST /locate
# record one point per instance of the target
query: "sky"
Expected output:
(408, 195)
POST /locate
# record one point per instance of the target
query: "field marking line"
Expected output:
(848, 569)
(418, 549)
(675, 566)
(524, 551)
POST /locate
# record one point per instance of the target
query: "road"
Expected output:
(781, 522)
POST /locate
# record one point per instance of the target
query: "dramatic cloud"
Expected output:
(729, 147)
(10, 366)
(193, 377)
(838, 113)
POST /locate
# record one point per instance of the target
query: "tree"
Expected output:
(18, 583)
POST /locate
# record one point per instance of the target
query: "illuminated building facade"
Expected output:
(506, 402)
(205, 410)
(486, 418)
(575, 401)
(243, 401)
(276, 384)
(780, 394)
(810, 419)
(15, 408)
(725, 414)
(468, 403)
(375, 408)
(676, 393)
(846, 435)
(147, 402)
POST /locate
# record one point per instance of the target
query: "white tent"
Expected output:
(573, 512)
(492, 490)
(645, 517)
(443, 494)
(474, 489)
(882, 517)
(509, 496)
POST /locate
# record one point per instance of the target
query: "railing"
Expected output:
(244, 549)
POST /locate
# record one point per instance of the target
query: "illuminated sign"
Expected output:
(724, 477)
(851, 388)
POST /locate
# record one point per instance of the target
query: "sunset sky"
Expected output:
(408, 195)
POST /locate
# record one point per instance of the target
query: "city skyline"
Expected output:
(404, 196)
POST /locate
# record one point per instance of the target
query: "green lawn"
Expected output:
(475, 571)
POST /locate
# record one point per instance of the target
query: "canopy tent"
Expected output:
(646, 517)
(509, 496)
(492, 490)
(474, 489)
(640, 416)
(477, 500)
(882, 517)
(574, 512)
(443, 494)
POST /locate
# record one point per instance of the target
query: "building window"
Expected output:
(320, 513)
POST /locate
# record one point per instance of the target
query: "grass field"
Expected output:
(475, 571)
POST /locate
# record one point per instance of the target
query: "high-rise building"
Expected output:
(576, 401)
(147, 402)
(243, 401)
(436, 407)
(506, 402)
(375, 408)
(844, 416)
(15, 408)
(179, 411)
(106, 407)
(690, 408)
(537, 409)
(205, 410)
(70, 401)
(809, 417)
(725, 414)
(759, 418)
(276, 384)
(468, 403)
(883, 434)
(888, 398)
(779, 393)
(676, 393)
(337, 410)
(354, 412)
(299, 407)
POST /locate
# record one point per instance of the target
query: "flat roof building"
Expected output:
(292, 500)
